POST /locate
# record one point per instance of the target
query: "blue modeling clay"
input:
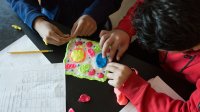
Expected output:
(100, 61)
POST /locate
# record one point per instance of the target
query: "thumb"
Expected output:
(111, 82)
(73, 29)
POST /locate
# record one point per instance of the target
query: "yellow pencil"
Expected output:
(30, 52)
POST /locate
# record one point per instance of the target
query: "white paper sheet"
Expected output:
(35, 89)
(160, 86)
(14, 61)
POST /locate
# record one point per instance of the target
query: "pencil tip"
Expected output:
(50, 50)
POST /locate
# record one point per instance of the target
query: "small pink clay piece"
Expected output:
(71, 110)
(91, 72)
(84, 98)
(70, 66)
(91, 52)
(78, 43)
(89, 44)
(100, 75)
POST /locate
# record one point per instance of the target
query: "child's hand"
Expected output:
(84, 26)
(119, 74)
(117, 40)
(50, 33)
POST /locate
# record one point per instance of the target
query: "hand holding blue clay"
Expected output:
(100, 61)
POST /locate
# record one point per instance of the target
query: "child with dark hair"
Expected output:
(173, 28)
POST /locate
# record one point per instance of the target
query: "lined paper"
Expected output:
(35, 89)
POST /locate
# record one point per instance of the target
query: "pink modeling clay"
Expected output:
(91, 72)
(71, 110)
(84, 98)
(89, 44)
(91, 52)
(70, 66)
(100, 75)
(78, 43)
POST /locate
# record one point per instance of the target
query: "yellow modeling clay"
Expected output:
(17, 27)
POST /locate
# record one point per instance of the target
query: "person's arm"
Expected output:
(146, 99)
(100, 10)
(126, 23)
(118, 39)
(28, 10)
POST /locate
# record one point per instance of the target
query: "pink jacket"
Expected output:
(146, 99)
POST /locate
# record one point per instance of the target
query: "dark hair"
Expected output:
(172, 25)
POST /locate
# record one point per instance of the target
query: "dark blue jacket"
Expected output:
(64, 10)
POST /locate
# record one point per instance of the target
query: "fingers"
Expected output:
(60, 36)
(117, 66)
(93, 29)
(52, 41)
(106, 46)
(77, 31)
(83, 29)
(121, 51)
(111, 68)
(103, 39)
(119, 74)
(84, 26)
(58, 32)
(56, 39)
(86, 30)
(103, 32)
(51, 34)
(108, 41)
(112, 83)
(112, 77)
(113, 50)
(74, 28)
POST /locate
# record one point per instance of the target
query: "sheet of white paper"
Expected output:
(128, 108)
(35, 89)
(18, 60)
(160, 86)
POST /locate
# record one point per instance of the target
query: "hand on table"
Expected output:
(84, 26)
(50, 33)
(116, 40)
(118, 74)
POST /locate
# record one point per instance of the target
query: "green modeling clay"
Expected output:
(82, 60)
(84, 68)
(97, 48)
